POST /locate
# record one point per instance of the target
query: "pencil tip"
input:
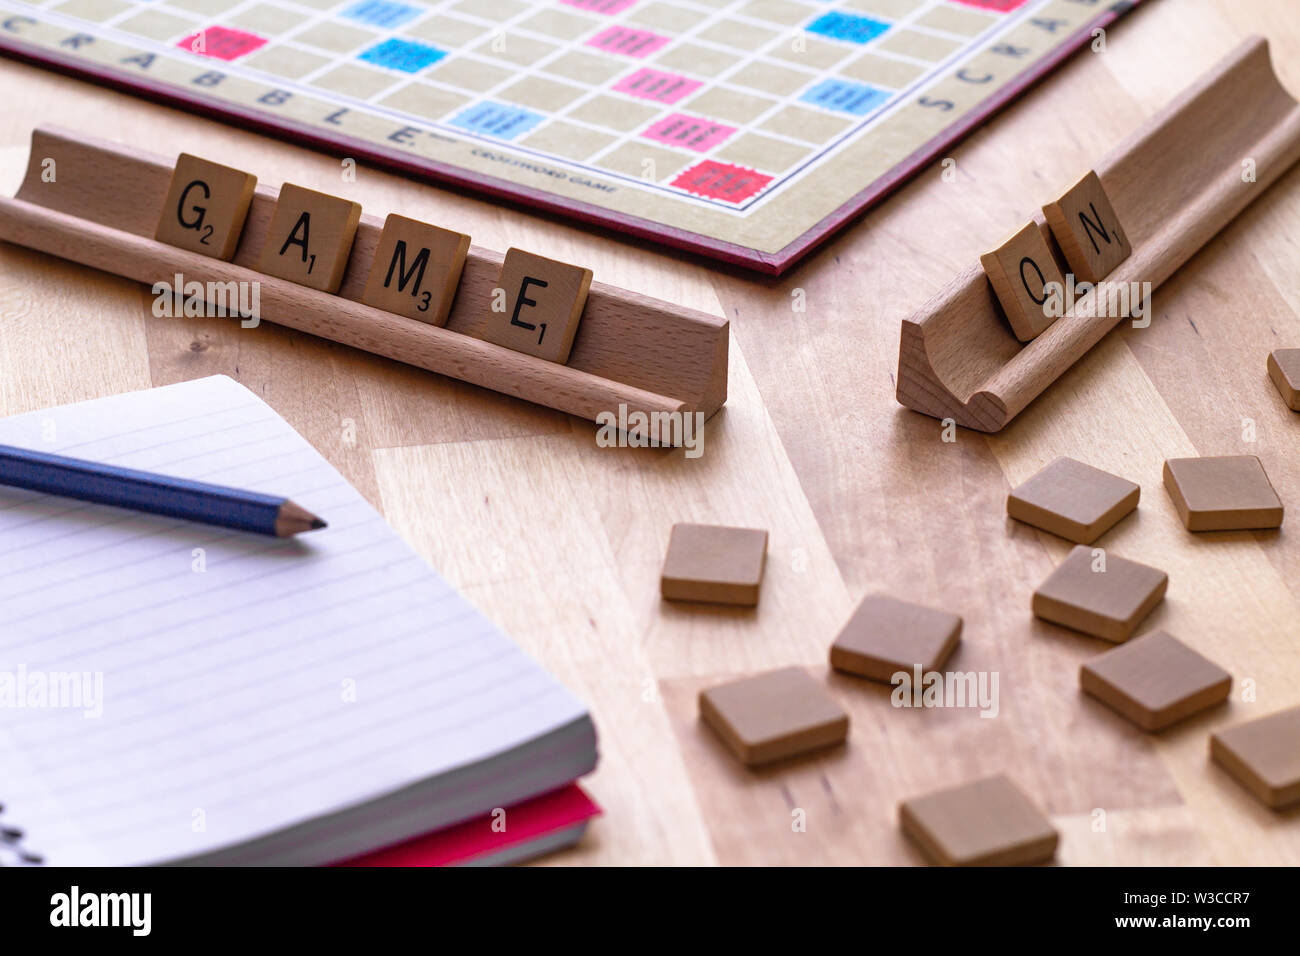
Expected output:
(295, 519)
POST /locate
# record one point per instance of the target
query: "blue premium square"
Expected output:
(496, 120)
(381, 13)
(847, 26)
(857, 99)
(405, 55)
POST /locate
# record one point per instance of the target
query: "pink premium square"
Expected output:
(689, 132)
(221, 43)
(638, 43)
(655, 85)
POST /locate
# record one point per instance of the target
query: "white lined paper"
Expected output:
(224, 689)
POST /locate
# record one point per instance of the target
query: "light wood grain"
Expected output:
(561, 542)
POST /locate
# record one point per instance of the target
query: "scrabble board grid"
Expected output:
(744, 129)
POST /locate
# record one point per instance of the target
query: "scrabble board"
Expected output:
(746, 130)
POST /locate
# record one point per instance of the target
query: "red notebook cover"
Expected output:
(525, 821)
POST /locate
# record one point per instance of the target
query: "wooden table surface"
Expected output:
(560, 541)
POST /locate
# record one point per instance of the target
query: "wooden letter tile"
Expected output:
(310, 237)
(543, 303)
(1155, 680)
(987, 822)
(714, 563)
(1019, 269)
(885, 636)
(205, 207)
(1084, 223)
(775, 715)
(1074, 500)
(1229, 493)
(1106, 603)
(416, 269)
(1284, 370)
(1264, 756)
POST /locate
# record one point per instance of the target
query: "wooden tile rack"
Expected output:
(103, 204)
(1175, 182)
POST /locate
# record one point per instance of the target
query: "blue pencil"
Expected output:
(153, 493)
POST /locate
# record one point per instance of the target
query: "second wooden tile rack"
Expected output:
(102, 206)
(1174, 183)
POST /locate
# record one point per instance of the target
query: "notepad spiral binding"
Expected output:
(12, 851)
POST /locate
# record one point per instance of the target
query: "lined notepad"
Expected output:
(259, 700)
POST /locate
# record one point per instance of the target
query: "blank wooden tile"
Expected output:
(1074, 500)
(713, 563)
(1284, 370)
(543, 302)
(1228, 493)
(773, 716)
(1107, 604)
(416, 269)
(1264, 756)
(886, 635)
(987, 822)
(310, 237)
(1155, 680)
(1018, 269)
(205, 207)
(1088, 230)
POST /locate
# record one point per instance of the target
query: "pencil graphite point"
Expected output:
(295, 519)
